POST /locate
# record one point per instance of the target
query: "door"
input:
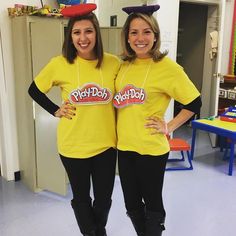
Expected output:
(191, 44)
(46, 39)
(218, 15)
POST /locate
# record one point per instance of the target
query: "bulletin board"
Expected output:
(232, 56)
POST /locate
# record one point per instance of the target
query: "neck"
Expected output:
(89, 57)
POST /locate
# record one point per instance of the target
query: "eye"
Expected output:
(133, 33)
(76, 32)
(89, 31)
(147, 31)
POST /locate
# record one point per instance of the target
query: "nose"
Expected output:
(140, 37)
(83, 36)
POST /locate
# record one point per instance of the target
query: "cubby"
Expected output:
(227, 93)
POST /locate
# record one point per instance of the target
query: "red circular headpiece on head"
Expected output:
(78, 10)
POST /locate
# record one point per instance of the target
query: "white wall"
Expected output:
(10, 152)
(2, 85)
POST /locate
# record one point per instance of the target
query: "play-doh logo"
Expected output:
(90, 94)
(129, 95)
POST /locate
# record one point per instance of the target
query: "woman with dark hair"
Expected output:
(146, 83)
(86, 134)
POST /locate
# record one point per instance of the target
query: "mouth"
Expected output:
(140, 45)
(83, 45)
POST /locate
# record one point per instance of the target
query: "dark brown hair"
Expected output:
(128, 53)
(68, 49)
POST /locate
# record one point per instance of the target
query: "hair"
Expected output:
(68, 49)
(128, 53)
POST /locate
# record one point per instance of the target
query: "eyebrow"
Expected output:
(90, 28)
(149, 28)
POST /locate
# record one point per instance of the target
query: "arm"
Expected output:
(178, 120)
(185, 114)
(160, 126)
(48, 105)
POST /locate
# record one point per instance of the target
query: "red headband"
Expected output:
(78, 10)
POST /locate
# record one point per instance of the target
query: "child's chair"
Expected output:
(179, 145)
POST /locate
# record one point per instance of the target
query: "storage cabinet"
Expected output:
(35, 41)
(111, 39)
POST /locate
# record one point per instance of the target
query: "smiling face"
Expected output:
(141, 37)
(84, 39)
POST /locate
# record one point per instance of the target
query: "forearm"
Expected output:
(42, 99)
(183, 116)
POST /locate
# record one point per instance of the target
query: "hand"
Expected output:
(66, 110)
(157, 125)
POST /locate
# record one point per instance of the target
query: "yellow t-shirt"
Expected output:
(92, 130)
(161, 81)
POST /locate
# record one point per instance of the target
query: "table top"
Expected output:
(220, 127)
(217, 123)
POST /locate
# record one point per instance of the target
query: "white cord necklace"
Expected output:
(146, 75)
(78, 73)
(90, 93)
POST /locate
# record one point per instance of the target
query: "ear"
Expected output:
(155, 40)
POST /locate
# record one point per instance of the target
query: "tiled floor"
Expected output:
(201, 202)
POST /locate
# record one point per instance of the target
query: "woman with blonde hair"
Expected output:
(146, 83)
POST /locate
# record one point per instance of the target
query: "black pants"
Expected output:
(100, 169)
(142, 180)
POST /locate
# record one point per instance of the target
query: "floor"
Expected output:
(201, 202)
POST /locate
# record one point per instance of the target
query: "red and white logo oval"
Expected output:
(90, 93)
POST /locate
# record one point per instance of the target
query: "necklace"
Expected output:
(90, 93)
(145, 77)
(129, 94)
(78, 73)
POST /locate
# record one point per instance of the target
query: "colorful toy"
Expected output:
(46, 10)
(229, 115)
(71, 2)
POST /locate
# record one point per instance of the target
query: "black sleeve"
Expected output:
(194, 106)
(42, 99)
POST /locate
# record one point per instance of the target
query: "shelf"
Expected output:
(227, 99)
(229, 81)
